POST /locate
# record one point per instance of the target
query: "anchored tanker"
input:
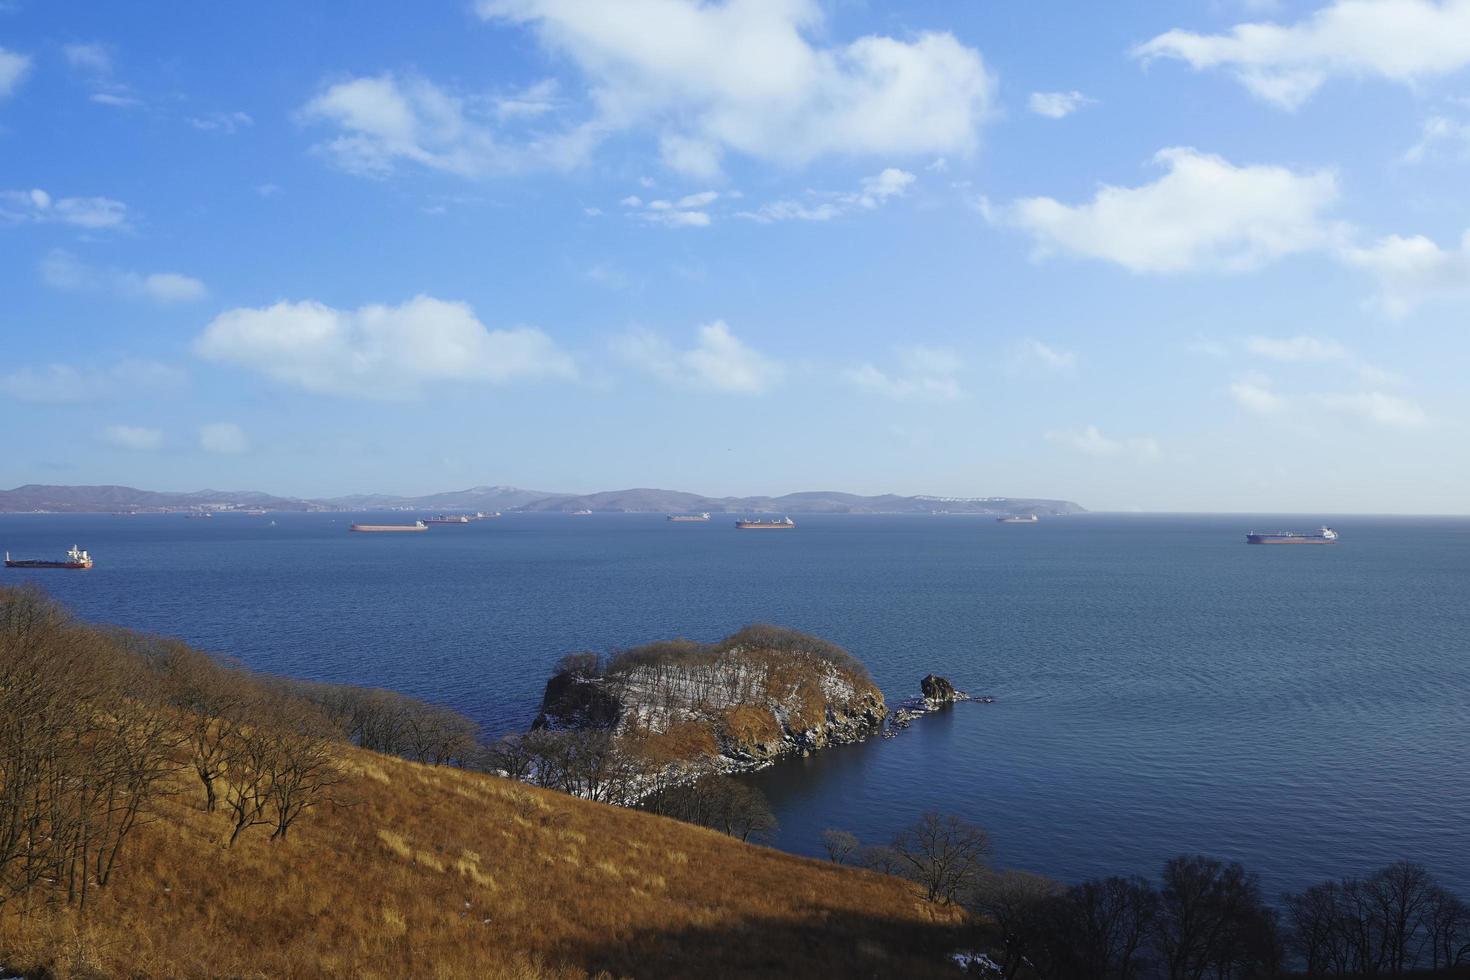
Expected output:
(389, 528)
(1014, 519)
(75, 558)
(1323, 536)
(785, 523)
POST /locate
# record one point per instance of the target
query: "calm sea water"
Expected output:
(1160, 686)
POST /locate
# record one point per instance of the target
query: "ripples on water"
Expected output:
(1161, 686)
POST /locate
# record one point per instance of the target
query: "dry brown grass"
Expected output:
(438, 872)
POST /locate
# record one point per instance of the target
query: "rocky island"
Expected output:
(742, 703)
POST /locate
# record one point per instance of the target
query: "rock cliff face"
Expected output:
(755, 697)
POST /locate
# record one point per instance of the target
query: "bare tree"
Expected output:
(1017, 903)
(1401, 895)
(1212, 920)
(944, 854)
(839, 844)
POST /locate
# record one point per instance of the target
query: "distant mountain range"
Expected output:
(105, 499)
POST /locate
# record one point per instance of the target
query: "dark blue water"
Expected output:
(1161, 687)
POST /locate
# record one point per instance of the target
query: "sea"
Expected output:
(1160, 687)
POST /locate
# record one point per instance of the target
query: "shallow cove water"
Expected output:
(1160, 686)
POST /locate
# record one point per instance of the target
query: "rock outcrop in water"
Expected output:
(742, 703)
(935, 692)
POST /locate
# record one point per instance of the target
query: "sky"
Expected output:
(1203, 256)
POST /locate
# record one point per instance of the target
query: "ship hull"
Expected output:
(385, 529)
(766, 527)
(1264, 539)
(28, 563)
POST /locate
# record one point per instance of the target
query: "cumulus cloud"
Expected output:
(757, 79)
(1400, 40)
(1378, 408)
(379, 351)
(1205, 213)
(225, 438)
(1254, 393)
(684, 212)
(930, 373)
(387, 120)
(36, 205)
(719, 360)
(873, 192)
(61, 383)
(132, 437)
(1057, 105)
(1091, 441)
(1412, 270)
(14, 67)
(62, 270)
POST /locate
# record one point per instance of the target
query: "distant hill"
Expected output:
(39, 497)
(102, 499)
(475, 498)
(807, 502)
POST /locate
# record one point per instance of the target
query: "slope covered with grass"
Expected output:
(417, 870)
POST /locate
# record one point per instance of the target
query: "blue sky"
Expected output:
(1203, 256)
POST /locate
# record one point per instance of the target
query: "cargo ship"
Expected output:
(387, 528)
(1324, 535)
(1013, 519)
(447, 519)
(784, 524)
(581, 513)
(480, 515)
(75, 558)
(197, 517)
(689, 518)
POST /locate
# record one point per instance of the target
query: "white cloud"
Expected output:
(62, 383)
(1300, 349)
(223, 437)
(227, 123)
(92, 213)
(1400, 40)
(719, 360)
(132, 437)
(386, 120)
(14, 67)
(268, 190)
(685, 212)
(1254, 394)
(1204, 213)
(1412, 270)
(1057, 105)
(1389, 411)
(1091, 441)
(62, 270)
(92, 58)
(1034, 352)
(929, 373)
(1440, 131)
(753, 78)
(873, 192)
(94, 62)
(379, 351)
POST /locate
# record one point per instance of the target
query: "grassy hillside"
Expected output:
(433, 871)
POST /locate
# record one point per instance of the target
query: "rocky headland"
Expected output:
(760, 695)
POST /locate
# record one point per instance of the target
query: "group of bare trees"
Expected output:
(1204, 918)
(1396, 920)
(94, 723)
(83, 750)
